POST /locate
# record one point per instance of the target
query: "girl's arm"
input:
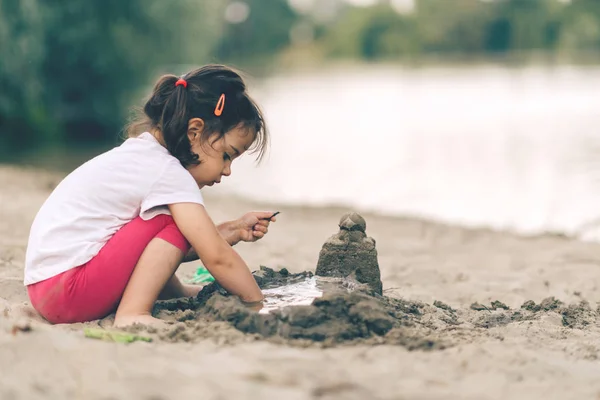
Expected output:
(230, 235)
(228, 231)
(250, 227)
(216, 254)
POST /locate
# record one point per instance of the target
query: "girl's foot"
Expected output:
(191, 290)
(148, 320)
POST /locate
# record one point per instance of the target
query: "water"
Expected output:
(296, 294)
(503, 148)
(301, 293)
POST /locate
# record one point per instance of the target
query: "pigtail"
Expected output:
(175, 101)
(174, 124)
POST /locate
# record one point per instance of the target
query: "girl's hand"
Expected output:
(254, 225)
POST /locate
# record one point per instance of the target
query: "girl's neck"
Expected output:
(158, 136)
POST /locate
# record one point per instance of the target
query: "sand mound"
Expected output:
(350, 313)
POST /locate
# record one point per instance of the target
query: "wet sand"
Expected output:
(440, 345)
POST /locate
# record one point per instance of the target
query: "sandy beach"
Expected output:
(548, 352)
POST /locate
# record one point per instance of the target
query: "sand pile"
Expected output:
(351, 253)
(351, 313)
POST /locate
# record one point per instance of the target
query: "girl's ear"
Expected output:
(195, 128)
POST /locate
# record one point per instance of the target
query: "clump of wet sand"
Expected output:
(348, 313)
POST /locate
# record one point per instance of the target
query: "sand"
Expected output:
(441, 345)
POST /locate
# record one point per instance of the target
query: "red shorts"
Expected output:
(94, 289)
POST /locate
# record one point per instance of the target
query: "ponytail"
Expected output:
(174, 124)
(214, 93)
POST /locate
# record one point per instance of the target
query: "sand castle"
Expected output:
(351, 253)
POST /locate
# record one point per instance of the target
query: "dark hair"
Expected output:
(170, 108)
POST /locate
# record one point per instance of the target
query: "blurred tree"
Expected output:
(70, 70)
(22, 49)
(372, 33)
(464, 27)
(452, 27)
(525, 25)
(256, 31)
(581, 26)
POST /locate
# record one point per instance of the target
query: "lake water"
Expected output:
(511, 149)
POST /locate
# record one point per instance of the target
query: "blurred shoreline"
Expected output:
(22, 179)
(517, 144)
(307, 59)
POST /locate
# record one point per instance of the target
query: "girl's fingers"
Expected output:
(261, 226)
(264, 214)
(262, 229)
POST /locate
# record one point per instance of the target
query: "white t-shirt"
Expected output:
(138, 178)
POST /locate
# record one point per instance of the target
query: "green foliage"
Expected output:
(69, 70)
(464, 27)
(265, 32)
(371, 33)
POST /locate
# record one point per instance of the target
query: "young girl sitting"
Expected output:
(113, 233)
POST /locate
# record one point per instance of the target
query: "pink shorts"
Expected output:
(94, 289)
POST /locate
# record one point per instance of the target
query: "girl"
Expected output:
(113, 233)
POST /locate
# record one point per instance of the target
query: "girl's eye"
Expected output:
(226, 157)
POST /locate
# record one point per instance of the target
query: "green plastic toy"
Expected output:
(202, 276)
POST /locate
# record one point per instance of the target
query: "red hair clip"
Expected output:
(220, 105)
(181, 82)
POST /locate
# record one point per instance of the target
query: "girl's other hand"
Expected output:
(254, 225)
(255, 306)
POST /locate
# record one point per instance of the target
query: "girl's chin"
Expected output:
(208, 184)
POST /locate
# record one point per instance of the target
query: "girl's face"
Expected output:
(216, 157)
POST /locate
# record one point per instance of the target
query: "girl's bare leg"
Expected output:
(154, 269)
(172, 289)
(175, 289)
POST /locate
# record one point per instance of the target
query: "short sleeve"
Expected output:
(173, 185)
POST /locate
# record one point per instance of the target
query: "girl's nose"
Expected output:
(227, 170)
